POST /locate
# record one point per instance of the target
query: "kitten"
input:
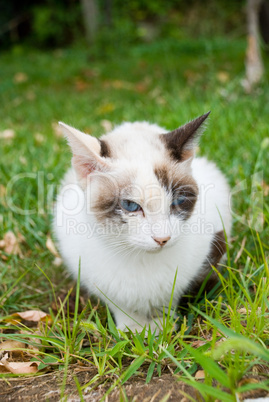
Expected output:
(136, 207)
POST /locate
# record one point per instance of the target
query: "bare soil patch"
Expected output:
(47, 387)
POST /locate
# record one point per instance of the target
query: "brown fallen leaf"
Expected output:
(20, 77)
(3, 191)
(3, 256)
(7, 134)
(81, 85)
(198, 343)
(223, 76)
(265, 187)
(243, 310)
(19, 367)
(10, 244)
(118, 84)
(241, 249)
(39, 138)
(141, 87)
(200, 374)
(11, 346)
(31, 315)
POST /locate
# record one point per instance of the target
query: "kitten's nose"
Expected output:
(161, 240)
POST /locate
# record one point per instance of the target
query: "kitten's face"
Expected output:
(143, 206)
(138, 182)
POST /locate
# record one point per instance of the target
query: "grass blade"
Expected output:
(209, 366)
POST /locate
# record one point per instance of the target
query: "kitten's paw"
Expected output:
(139, 326)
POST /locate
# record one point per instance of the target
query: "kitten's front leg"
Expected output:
(135, 322)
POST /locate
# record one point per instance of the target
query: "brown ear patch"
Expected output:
(180, 141)
(105, 150)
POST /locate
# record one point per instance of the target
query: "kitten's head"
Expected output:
(138, 181)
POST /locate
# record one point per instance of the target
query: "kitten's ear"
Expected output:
(181, 142)
(86, 153)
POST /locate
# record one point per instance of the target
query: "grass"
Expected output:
(168, 82)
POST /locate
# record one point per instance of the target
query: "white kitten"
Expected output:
(136, 207)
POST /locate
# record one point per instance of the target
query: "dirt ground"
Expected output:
(47, 387)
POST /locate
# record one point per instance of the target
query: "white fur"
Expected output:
(128, 270)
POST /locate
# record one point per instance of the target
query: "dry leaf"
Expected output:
(8, 346)
(107, 125)
(223, 76)
(19, 368)
(200, 374)
(3, 256)
(31, 315)
(3, 191)
(8, 134)
(141, 87)
(243, 310)
(39, 138)
(20, 77)
(118, 84)
(10, 244)
(265, 188)
(197, 344)
(241, 249)
(81, 85)
(51, 247)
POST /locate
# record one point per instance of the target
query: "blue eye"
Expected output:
(130, 206)
(178, 201)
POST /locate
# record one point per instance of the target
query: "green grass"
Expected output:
(167, 83)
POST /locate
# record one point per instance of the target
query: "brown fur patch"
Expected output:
(180, 141)
(162, 175)
(186, 187)
(106, 206)
(105, 150)
(217, 250)
(178, 185)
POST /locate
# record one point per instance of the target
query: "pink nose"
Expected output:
(161, 240)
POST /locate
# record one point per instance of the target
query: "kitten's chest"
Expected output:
(145, 282)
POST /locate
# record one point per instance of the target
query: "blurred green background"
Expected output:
(161, 61)
(116, 23)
